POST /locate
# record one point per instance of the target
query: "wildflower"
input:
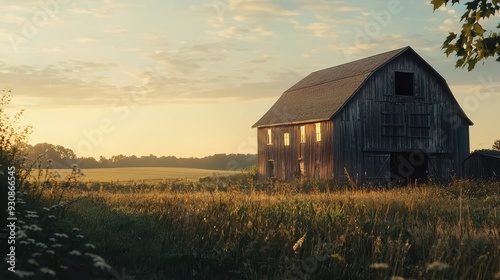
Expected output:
(21, 234)
(22, 274)
(88, 245)
(46, 209)
(437, 265)
(57, 245)
(34, 228)
(50, 252)
(34, 216)
(52, 217)
(74, 165)
(75, 229)
(63, 267)
(379, 266)
(34, 255)
(21, 222)
(41, 245)
(33, 262)
(52, 239)
(80, 236)
(63, 235)
(24, 242)
(75, 253)
(47, 270)
(31, 240)
(102, 265)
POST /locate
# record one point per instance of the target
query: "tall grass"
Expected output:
(236, 228)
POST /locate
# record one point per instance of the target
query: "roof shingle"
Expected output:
(325, 90)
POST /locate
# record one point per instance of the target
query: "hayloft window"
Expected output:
(302, 134)
(286, 139)
(403, 83)
(318, 132)
(269, 137)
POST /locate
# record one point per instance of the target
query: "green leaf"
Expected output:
(478, 29)
(437, 3)
(472, 63)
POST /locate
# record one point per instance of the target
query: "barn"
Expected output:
(483, 164)
(385, 118)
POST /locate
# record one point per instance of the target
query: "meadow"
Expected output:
(147, 174)
(234, 227)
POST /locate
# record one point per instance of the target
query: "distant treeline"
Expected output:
(60, 157)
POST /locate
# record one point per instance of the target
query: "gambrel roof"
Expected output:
(321, 94)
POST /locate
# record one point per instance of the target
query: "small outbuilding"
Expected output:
(385, 118)
(483, 164)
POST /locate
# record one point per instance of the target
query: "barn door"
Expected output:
(441, 168)
(377, 168)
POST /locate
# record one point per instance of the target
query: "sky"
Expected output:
(189, 78)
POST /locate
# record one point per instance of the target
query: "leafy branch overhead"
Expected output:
(474, 43)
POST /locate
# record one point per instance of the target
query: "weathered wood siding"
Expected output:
(317, 156)
(479, 166)
(365, 136)
(376, 122)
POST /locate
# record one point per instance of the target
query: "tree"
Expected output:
(496, 145)
(13, 139)
(474, 43)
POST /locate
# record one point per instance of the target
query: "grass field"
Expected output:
(297, 230)
(147, 174)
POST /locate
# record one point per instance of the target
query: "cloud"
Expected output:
(242, 33)
(188, 59)
(83, 40)
(98, 11)
(449, 25)
(115, 30)
(320, 29)
(59, 85)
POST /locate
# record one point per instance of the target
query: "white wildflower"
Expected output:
(102, 265)
(33, 262)
(52, 239)
(21, 234)
(41, 245)
(88, 245)
(57, 245)
(46, 209)
(34, 255)
(80, 236)
(22, 274)
(63, 267)
(47, 270)
(75, 253)
(52, 217)
(63, 235)
(24, 242)
(34, 228)
(75, 229)
(31, 240)
(50, 252)
(34, 216)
